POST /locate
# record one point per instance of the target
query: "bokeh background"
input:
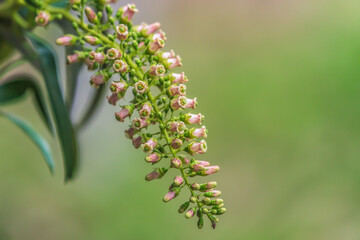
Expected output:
(278, 82)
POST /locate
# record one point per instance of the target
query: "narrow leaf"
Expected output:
(16, 87)
(65, 130)
(41, 143)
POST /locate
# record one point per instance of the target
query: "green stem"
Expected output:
(168, 141)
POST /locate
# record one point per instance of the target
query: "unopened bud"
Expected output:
(190, 213)
(91, 15)
(183, 207)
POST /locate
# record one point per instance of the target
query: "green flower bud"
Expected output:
(192, 199)
(190, 213)
(183, 207)
(200, 223)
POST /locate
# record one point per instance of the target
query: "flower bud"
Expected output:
(67, 40)
(178, 127)
(176, 143)
(179, 78)
(141, 87)
(139, 123)
(207, 201)
(183, 207)
(118, 87)
(198, 132)
(178, 180)
(98, 79)
(155, 45)
(91, 40)
(145, 111)
(193, 199)
(193, 118)
(221, 211)
(208, 185)
(157, 70)
(128, 12)
(152, 176)
(177, 90)
(160, 34)
(210, 170)
(170, 54)
(113, 99)
(153, 158)
(98, 57)
(197, 168)
(195, 147)
(200, 223)
(42, 19)
(195, 186)
(149, 145)
(122, 32)
(72, 58)
(75, 2)
(120, 66)
(216, 201)
(171, 195)
(124, 113)
(174, 62)
(214, 193)
(129, 133)
(113, 54)
(137, 142)
(152, 28)
(175, 163)
(91, 15)
(190, 213)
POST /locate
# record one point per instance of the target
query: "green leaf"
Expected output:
(41, 143)
(49, 69)
(16, 87)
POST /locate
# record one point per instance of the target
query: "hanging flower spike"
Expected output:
(42, 19)
(134, 58)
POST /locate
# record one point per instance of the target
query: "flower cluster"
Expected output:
(130, 57)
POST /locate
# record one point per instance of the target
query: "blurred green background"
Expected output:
(278, 82)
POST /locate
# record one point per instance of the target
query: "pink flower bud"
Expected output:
(178, 180)
(177, 90)
(171, 195)
(210, 170)
(150, 29)
(190, 213)
(98, 57)
(122, 32)
(91, 65)
(91, 40)
(203, 163)
(198, 132)
(157, 70)
(118, 87)
(179, 102)
(140, 27)
(153, 158)
(139, 123)
(42, 19)
(72, 58)
(170, 54)
(97, 80)
(91, 15)
(67, 40)
(156, 44)
(175, 163)
(75, 2)
(179, 78)
(113, 99)
(208, 185)
(128, 12)
(174, 62)
(213, 193)
(152, 176)
(120, 66)
(197, 167)
(145, 111)
(176, 143)
(185, 160)
(195, 147)
(113, 54)
(193, 118)
(124, 113)
(129, 133)
(159, 34)
(178, 127)
(141, 87)
(149, 145)
(137, 142)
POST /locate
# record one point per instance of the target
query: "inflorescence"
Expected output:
(132, 56)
